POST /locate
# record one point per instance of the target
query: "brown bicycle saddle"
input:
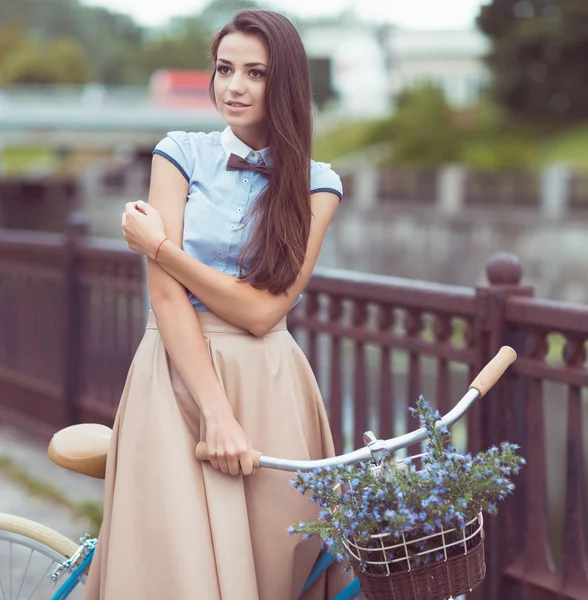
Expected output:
(81, 448)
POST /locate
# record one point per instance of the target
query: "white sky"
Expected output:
(412, 14)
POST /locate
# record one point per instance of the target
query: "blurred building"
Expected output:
(357, 55)
(451, 60)
(370, 64)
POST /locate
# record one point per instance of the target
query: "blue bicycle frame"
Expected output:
(72, 581)
(323, 562)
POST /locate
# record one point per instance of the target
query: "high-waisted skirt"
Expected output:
(175, 528)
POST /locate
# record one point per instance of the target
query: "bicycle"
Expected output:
(83, 448)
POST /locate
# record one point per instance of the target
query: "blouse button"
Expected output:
(239, 210)
(221, 255)
(245, 180)
(232, 227)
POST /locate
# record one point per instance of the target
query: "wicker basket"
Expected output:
(397, 578)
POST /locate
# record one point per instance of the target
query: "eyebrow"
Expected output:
(253, 64)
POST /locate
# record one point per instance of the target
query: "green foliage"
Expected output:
(185, 46)
(426, 132)
(102, 36)
(499, 152)
(24, 60)
(47, 19)
(16, 160)
(69, 63)
(568, 146)
(63, 41)
(491, 143)
(347, 139)
(538, 58)
(423, 129)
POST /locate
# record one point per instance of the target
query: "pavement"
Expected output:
(30, 457)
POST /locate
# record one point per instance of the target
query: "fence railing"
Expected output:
(72, 312)
(557, 191)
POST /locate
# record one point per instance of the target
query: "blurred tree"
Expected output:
(110, 39)
(69, 63)
(23, 60)
(104, 36)
(422, 129)
(539, 57)
(118, 50)
(187, 46)
(20, 58)
(50, 18)
(12, 37)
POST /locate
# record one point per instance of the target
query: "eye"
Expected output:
(223, 69)
(257, 74)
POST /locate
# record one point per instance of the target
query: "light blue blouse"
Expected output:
(218, 200)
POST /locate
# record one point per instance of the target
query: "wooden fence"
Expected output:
(72, 312)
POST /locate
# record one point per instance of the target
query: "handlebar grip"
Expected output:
(202, 454)
(494, 370)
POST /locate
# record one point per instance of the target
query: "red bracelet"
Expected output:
(158, 247)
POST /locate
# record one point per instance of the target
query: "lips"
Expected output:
(234, 104)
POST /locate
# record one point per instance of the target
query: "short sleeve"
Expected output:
(176, 148)
(324, 179)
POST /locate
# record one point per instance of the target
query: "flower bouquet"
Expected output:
(412, 528)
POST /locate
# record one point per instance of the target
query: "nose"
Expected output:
(237, 84)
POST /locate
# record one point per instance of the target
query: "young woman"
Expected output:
(233, 228)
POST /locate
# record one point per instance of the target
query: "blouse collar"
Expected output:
(233, 145)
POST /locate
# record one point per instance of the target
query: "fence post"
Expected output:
(365, 186)
(501, 412)
(554, 196)
(77, 229)
(450, 193)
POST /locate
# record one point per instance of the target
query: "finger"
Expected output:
(234, 466)
(141, 207)
(215, 460)
(246, 463)
(223, 465)
(129, 208)
(144, 206)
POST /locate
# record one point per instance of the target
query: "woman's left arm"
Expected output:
(237, 302)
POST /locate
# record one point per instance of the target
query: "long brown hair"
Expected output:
(281, 215)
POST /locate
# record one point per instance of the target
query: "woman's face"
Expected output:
(240, 83)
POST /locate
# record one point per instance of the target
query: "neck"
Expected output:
(255, 138)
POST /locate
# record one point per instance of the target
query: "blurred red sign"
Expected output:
(181, 89)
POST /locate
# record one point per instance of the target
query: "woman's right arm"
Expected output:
(182, 335)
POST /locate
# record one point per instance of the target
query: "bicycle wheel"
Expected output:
(30, 551)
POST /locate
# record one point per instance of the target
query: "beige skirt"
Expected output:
(176, 529)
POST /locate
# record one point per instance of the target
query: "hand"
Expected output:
(229, 449)
(143, 228)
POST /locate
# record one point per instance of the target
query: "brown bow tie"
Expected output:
(236, 163)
